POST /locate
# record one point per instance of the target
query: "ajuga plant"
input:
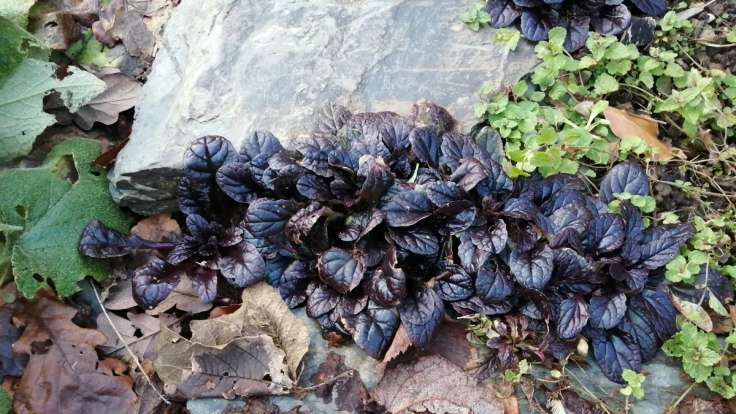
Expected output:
(379, 220)
(537, 17)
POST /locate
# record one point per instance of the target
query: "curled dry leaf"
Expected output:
(434, 385)
(62, 357)
(625, 124)
(338, 384)
(121, 93)
(256, 350)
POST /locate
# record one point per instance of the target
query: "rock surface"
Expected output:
(228, 67)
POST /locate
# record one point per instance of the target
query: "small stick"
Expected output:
(132, 355)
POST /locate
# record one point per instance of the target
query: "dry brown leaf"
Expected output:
(400, 344)
(262, 312)
(625, 124)
(120, 296)
(263, 344)
(337, 383)
(139, 331)
(121, 93)
(696, 405)
(64, 360)
(160, 227)
(434, 385)
(451, 342)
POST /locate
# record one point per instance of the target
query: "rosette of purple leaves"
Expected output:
(537, 17)
(379, 220)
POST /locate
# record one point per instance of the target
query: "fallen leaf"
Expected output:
(139, 331)
(108, 156)
(625, 124)
(451, 343)
(337, 383)
(693, 312)
(697, 405)
(433, 385)
(223, 310)
(55, 30)
(256, 350)
(184, 298)
(62, 358)
(120, 296)
(262, 312)
(400, 344)
(160, 227)
(121, 93)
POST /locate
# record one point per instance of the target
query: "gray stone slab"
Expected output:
(228, 67)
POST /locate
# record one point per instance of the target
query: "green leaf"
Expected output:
(557, 36)
(21, 103)
(53, 203)
(508, 38)
(605, 84)
(16, 44)
(5, 404)
(731, 36)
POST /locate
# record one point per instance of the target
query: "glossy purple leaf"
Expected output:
(242, 265)
(532, 269)
(204, 282)
(100, 241)
(611, 20)
(418, 241)
(605, 233)
(322, 299)
(536, 24)
(614, 353)
(662, 243)
(153, 282)
(627, 177)
(268, 217)
(192, 196)
(493, 285)
(457, 285)
(607, 311)
(426, 143)
(476, 305)
(442, 193)
(206, 155)
(407, 208)
(234, 179)
(421, 313)
(360, 224)
(572, 316)
(374, 329)
(301, 223)
(294, 282)
(503, 12)
(651, 7)
(341, 269)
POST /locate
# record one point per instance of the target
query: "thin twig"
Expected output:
(679, 400)
(132, 355)
(345, 374)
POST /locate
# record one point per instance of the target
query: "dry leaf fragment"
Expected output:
(63, 375)
(160, 227)
(256, 350)
(337, 383)
(625, 124)
(434, 385)
(693, 312)
(400, 344)
(121, 93)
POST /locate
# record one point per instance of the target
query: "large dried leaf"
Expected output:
(263, 325)
(625, 124)
(121, 93)
(433, 385)
(64, 361)
(245, 367)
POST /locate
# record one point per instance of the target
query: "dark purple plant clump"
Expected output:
(379, 220)
(579, 17)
